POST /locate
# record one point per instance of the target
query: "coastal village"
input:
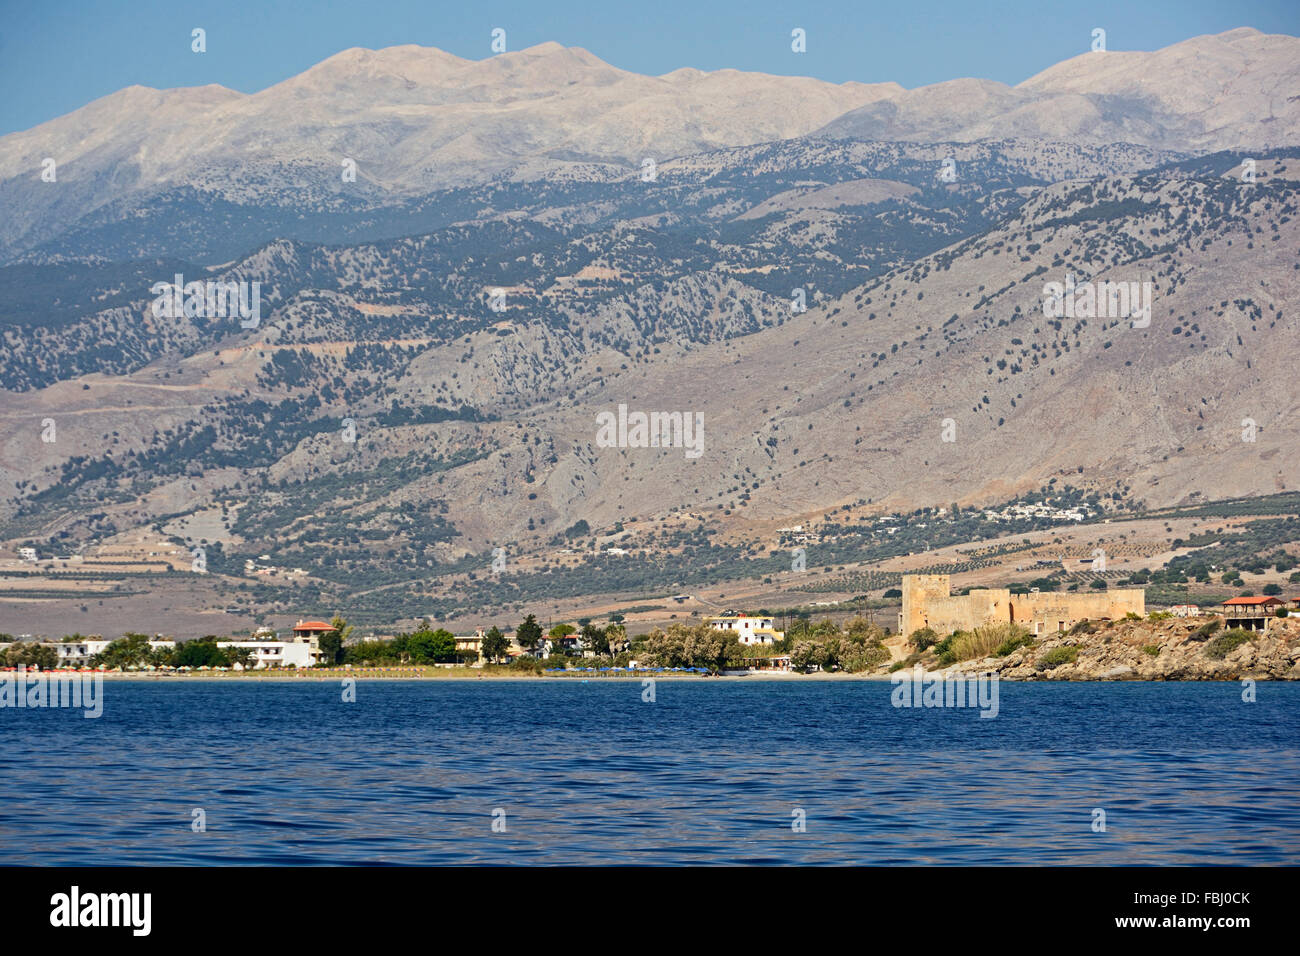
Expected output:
(931, 617)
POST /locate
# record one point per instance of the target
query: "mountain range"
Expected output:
(847, 284)
(416, 121)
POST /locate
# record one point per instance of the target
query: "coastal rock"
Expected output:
(1150, 649)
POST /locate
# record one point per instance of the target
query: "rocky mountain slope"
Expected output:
(474, 429)
(855, 324)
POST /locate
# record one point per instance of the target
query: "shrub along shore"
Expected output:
(1157, 647)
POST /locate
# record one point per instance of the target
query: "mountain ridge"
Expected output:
(414, 119)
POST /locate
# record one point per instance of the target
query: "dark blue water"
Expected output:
(711, 772)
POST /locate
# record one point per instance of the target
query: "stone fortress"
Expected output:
(928, 602)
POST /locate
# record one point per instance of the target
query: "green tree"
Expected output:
(201, 652)
(593, 639)
(662, 648)
(162, 657)
(529, 634)
(616, 636)
(430, 647)
(923, 637)
(243, 656)
(375, 652)
(495, 645)
(806, 656)
(692, 645)
(331, 642)
(32, 655)
(131, 649)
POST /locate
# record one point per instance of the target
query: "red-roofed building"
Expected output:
(310, 632)
(1251, 613)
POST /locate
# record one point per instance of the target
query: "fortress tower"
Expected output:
(920, 592)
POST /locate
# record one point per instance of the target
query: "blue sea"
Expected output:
(740, 771)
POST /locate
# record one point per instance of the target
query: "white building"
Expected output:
(750, 630)
(275, 653)
(79, 653)
(265, 653)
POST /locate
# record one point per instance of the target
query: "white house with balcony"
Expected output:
(264, 653)
(747, 628)
(275, 653)
(78, 653)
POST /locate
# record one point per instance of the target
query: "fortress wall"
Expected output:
(927, 602)
(969, 611)
(1052, 612)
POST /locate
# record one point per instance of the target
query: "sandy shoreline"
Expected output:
(462, 676)
(410, 674)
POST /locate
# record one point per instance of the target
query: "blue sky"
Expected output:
(58, 55)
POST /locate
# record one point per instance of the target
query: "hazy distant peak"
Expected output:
(683, 73)
(1237, 49)
(966, 90)
(548, 47)
(1210, 92)
(419, 64)
(138, 95)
